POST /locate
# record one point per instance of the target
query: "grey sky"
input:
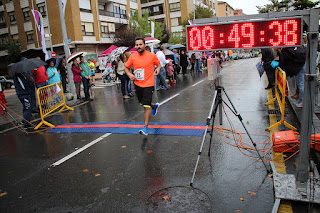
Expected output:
(248, 6)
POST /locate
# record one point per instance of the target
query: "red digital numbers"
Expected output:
(272, 33)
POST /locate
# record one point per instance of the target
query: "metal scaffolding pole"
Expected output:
(302, 175)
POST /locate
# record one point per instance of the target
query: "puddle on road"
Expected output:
(179, 199)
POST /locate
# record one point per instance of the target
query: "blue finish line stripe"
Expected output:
(155, 128)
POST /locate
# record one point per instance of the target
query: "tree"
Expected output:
(285, 5)
(125, 36)
(142, 26)
(177, 38)
(201, 12)
(13, 49)
(304, 4)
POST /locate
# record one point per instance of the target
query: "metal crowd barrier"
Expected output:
(280, 97)
(50, 98)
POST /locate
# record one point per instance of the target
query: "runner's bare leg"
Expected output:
(147, 115)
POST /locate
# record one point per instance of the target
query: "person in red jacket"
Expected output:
(41, 76)
(76, 77)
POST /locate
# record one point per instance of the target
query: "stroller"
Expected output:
(108, 75)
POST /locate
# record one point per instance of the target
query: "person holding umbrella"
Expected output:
(23, 81)
(86, 76)
(63, 72)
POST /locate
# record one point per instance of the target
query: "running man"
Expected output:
(143, 63)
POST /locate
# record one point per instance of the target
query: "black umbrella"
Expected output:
(26, 65)
(32, 53)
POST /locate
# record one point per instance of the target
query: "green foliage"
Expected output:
(177, 38)
(201, 12)
(304, 4)
(125, 37)
(278, 5)
(13, 48)
(142, 26)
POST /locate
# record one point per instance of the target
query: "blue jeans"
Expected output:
(41, 85)
(161, 77)
(129, 86)
(198, 64)
(300, 82)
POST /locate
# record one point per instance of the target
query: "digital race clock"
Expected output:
(240, 35)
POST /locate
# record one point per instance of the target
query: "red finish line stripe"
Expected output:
(131, 126)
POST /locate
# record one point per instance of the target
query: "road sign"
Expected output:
(244, 35)
(53, 55)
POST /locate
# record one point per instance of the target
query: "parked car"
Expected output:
(7, 83)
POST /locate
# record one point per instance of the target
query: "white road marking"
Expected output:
(172, 97)
(80, 150)
(197, 83)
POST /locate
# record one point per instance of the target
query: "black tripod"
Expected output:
(217, 104)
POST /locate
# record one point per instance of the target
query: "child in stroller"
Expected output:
(108, 75)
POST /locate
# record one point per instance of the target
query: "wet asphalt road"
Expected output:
(122, 179)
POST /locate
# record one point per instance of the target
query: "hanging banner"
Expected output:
(39, 23)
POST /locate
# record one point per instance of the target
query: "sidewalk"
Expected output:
(14, 106)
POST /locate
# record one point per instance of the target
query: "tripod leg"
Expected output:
(204, 136)
(241, 121)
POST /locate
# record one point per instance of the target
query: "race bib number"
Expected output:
(139, 74)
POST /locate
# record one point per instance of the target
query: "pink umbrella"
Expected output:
(132, 50)
(109, 50)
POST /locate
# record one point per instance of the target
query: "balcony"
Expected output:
(112, 14)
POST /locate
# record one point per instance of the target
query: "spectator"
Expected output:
(40, 76)
(177, 56)
(3, 100)
(192, 61)
(62, 69)
(292, 61)
(170, 71)
(22, 85)
(122, 76)
(162, 75)
(267, 57)
(53, 75)
(183, 62)
(86, 76)
(93, 71)
(76, 70)
(130, 83)
(198, 61)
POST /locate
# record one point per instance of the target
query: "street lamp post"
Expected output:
(66, 47)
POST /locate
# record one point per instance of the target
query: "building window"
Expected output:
(175, 22)
(30, 37)
(2, 21)
(107, 30)
(174, 7)
(42, 9)
(87, 29)
(3, 41)
(26, 14)
(133, 13)
(8, 1)
(12, 18)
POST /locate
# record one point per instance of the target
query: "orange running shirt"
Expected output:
(230, 53)
(147, 61)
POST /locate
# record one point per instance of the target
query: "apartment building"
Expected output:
(224, 9)
(91, 24)
(238, 12)
(173, 12)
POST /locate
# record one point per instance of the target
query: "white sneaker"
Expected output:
(299, 104)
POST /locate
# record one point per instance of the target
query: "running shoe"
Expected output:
(155, 110)
(143, 131)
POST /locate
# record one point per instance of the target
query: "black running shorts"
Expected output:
(144, 95)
